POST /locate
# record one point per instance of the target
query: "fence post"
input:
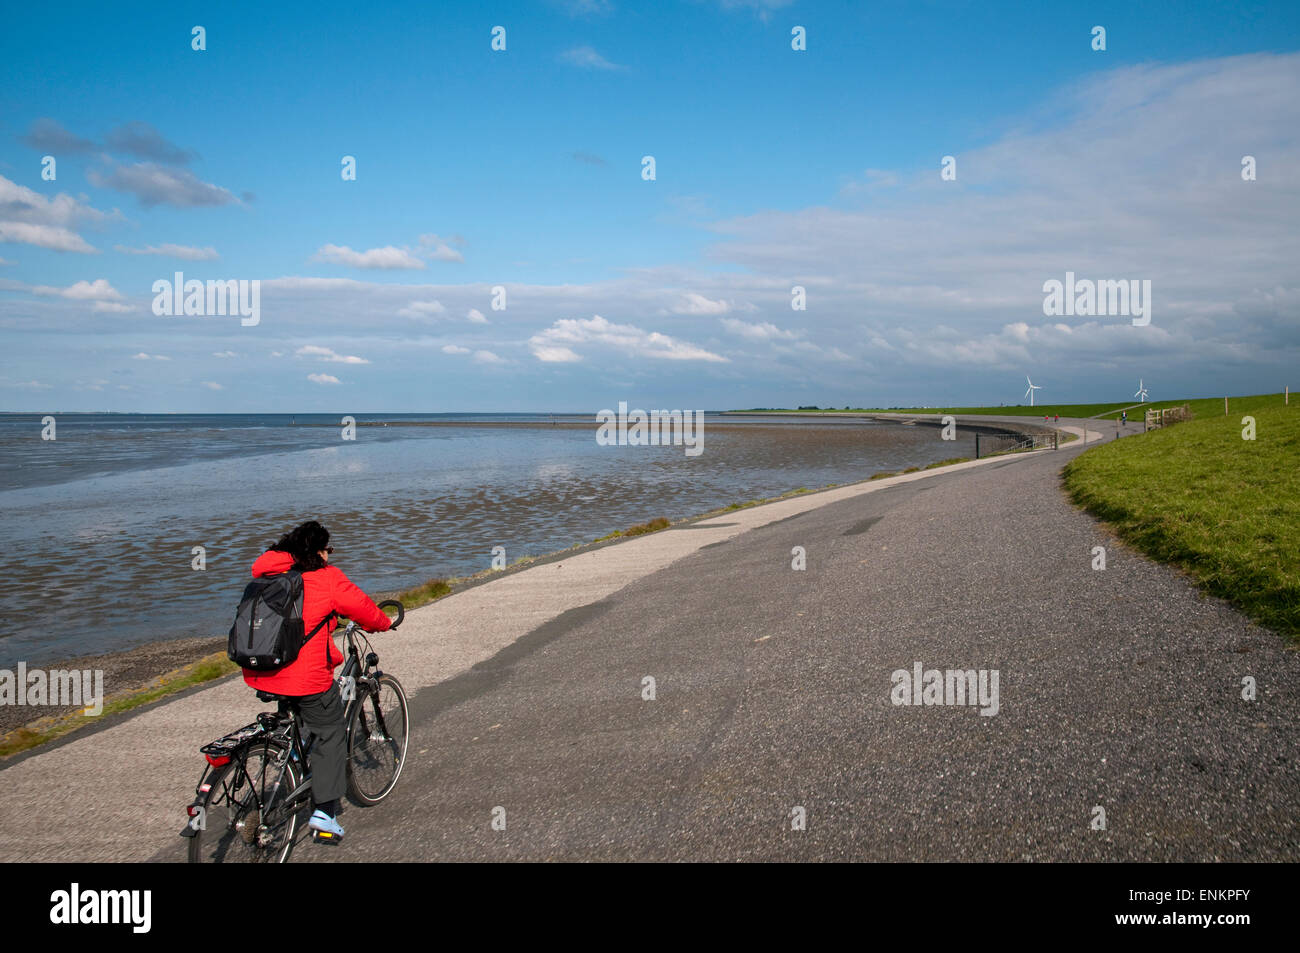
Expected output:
(1056, 440)
(977, 445)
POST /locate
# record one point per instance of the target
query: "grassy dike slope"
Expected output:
(1198, 495)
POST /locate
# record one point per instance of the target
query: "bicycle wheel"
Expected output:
(246, 818)
(377, 738)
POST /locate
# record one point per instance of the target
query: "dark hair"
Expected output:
(304, 544)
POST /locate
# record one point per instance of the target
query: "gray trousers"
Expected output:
(323, 717)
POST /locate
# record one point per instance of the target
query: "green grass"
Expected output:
(1197, 495)
(1016, 410)
(1209, 406)
(424, 593)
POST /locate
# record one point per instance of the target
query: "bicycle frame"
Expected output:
(353, 668)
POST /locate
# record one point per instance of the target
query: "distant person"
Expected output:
(1123, 417)
(309, 679)
(1057, 420)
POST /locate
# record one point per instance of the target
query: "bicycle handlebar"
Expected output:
(401, 610)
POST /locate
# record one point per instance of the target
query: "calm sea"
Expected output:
(97, 527)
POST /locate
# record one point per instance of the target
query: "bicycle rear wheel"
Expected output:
(246, 817)
(377, 740)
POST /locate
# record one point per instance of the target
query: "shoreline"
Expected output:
(147, 667)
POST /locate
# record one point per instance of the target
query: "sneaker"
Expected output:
(324, 827)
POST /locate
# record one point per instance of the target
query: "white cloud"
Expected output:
(476, 316)
(487, 357)
(692, 303)
(388, 257)
(587, 7)
(45, 236)
(112, 307)
(587, 58)
(328, 354)
(437, 249)
(764, 8)
(211, 385)
(553, 344)
(224, 354)
(422, 309)
(28, 217)
(305, 283)
(553, 355)
(761, 331)
(391, 257)
(322, 378)
(454, 349)
(97, 290)
(185, 252)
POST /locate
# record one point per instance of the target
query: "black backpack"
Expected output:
(268, 629)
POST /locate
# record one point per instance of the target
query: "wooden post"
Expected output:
(1225, 406)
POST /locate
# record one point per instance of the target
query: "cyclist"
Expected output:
(309, 679)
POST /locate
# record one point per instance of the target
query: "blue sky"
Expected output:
(522, 168)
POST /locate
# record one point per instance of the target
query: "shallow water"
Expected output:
(97, 527)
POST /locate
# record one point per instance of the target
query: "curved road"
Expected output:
(1118, 689)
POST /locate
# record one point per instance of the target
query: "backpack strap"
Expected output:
(312, 634)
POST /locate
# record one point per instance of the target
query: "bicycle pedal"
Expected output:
(325, 837)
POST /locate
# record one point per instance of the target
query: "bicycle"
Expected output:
(257, 781)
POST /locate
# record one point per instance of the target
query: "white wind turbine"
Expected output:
(1032, 387)
(1141, 392)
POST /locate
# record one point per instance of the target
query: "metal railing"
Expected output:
(995, 444)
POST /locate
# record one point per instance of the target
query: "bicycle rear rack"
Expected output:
(228, 743)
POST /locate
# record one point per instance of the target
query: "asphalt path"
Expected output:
(1119, 689)
(771, 734)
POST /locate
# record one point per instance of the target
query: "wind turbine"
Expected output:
(1032, 387)
(1142, 392)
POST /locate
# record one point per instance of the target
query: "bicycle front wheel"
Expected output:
(247, 818)
(377, 739)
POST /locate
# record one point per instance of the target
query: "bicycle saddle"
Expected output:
(268, 697)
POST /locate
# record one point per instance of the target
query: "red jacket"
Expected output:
(323, 591)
